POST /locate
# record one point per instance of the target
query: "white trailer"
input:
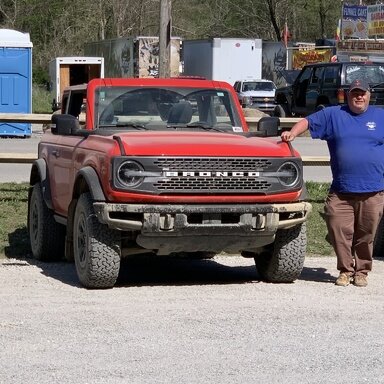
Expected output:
(72, 70)
(225, 59)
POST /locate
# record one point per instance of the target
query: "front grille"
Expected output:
(263, 99)
(212, 184)
(207, 175)
(217, 164)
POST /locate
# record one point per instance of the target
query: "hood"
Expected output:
(259, 93)
(181, 143)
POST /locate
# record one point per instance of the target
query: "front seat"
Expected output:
(180, 113)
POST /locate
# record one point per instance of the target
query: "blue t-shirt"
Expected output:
(356, 147)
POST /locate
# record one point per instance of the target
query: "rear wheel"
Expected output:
(96, 248)
(284, 260)
(47, 237)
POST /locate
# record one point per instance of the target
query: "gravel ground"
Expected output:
(182, 321)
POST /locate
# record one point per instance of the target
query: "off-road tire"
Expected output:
(96, 248)
(47, 237)
(284, 260)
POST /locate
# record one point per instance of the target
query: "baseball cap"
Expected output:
(359, 84)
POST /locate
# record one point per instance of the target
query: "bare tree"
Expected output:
(8, 13)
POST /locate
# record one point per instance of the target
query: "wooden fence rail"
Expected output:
(35, 118)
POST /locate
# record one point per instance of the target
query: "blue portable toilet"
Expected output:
(15, 80)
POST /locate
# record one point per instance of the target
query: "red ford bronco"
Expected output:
(168, 167)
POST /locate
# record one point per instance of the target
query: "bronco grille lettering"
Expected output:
(211, 174)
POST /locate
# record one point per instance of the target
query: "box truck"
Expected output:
(133, 56)
(75, 70)
(226, 59)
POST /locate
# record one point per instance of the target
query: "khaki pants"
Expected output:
(352, 220)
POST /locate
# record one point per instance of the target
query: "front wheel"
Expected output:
(96, 248)
(284, 259)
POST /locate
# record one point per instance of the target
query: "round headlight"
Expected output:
(129, 174)
(288, 174)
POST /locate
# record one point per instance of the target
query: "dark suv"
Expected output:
(324, 84)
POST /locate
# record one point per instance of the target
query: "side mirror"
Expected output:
(269, 126)
(64, 124)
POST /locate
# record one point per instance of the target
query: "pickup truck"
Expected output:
(166, 167)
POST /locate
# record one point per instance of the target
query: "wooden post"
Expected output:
(165, 39)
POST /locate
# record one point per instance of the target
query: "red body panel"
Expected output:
(97, 151)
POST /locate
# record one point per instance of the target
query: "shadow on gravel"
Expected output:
(178, 271)
(163, 271)
(320, 275)
(152, 271)
(18, 243)
(58, 270)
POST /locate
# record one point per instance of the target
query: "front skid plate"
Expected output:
(163, 219)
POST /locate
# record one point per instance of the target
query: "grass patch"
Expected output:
(14, 241)
(316, 227)
(41, 100)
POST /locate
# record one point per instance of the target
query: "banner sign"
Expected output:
(303, 57)
(361, 45)
(375, 20)
(354, 22)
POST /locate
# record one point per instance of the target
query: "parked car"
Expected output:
(166, 167)
(324, 84)
(258, 94)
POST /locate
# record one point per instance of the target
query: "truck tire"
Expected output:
(96, 248)
(47, 237)
(284, 262)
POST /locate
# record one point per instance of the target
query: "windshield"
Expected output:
(372, 73)
(164, 108)
(258, 86)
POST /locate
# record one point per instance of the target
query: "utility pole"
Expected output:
(165, 39)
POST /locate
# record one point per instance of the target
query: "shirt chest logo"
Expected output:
(371, 125)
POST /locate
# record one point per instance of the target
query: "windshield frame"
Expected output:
(161, 95)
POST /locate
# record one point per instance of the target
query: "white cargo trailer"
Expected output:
(226, 59)
(72, 70)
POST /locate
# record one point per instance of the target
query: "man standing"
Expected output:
(354, 205)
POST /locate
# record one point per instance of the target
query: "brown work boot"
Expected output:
(343, 280)
(360, 281)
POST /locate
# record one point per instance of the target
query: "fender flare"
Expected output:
(39, 174)
(92, 180)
